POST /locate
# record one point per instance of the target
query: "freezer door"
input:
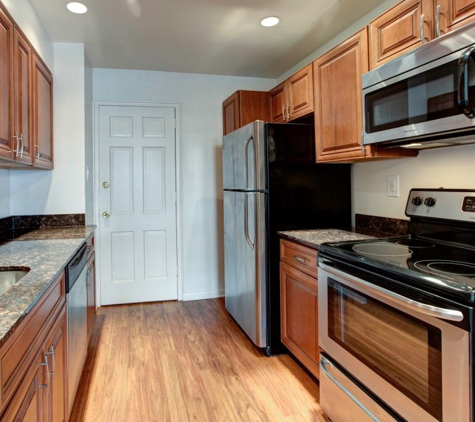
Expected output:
(245, 265)
(244, 158)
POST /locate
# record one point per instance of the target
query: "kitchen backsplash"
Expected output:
(391, 226)
(41, 221)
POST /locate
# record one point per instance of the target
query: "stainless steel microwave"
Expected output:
(425, 98)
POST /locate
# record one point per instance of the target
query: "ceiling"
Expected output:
(220, 37)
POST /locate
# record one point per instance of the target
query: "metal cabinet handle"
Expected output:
(283, 112)
(17, 143)
(421, 29)
(326, 367)
(45, 363)
(288, 112)
(37, 146)
(437, 21)
(463, 96)
(52, 354)
(22, 146)
(300, 259)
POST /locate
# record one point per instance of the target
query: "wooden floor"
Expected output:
(186, 361)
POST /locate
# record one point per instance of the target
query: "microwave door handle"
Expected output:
(413, 305)
(463, 97)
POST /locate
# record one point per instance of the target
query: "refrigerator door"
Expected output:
(244, 158)
(245, 262)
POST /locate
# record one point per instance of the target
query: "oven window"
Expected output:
(403, 350)
(427, 96)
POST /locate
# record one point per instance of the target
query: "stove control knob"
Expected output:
(430, 202)
(417, 200)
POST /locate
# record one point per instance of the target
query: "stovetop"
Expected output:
(419, 262)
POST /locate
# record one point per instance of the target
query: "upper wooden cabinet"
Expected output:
(6, 87)
(293, 98)
(244, 107)
(411, 23)
(22, 133)
(42, 114)
(26, 101)
(338, 104)
(453, 14)
(400, 29)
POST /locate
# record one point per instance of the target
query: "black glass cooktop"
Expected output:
(441, 266)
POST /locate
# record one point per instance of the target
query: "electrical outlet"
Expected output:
(392, 185)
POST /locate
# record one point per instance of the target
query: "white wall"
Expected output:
(61, 191)
(4, 193)
(450, 167)
(27, 19)
(200, 98)
(89, 139)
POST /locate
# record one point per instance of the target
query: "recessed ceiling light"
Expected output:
(76, 7)
(270, 21)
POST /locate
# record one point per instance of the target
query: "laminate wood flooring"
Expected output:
(186, 361)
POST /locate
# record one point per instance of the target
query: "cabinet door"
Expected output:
(299, 316)
(402, 28)
(91, 294)
(231, 114)
(453, 14)
(28, 404)
(338, 100)
(23, 98)
(56, 409)
(278, 104)
(300, 93)
(42, 115)
(6, 88)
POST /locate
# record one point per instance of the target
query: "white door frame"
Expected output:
(96, 184)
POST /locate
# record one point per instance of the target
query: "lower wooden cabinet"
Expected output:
(33, 362)
(299, 308)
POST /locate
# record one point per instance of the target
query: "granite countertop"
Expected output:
(314, 238)
(46, 252)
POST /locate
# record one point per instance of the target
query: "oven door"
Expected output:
(416, 363)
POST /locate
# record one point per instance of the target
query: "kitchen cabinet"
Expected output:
(33, 362)
(299, 303)
(42, 114)
(293, 98)
(91, 287)
(244, 107)
(411, 23)
(6, 88)
(22, 53)
(338, 105)
(26, 102)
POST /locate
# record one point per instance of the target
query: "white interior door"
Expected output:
(137, 225)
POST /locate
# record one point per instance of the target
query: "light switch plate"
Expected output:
(392, 186)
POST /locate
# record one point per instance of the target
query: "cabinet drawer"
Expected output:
(26, 340)
(298, 256)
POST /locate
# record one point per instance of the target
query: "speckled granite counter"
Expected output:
(314, 238)
(46, 252)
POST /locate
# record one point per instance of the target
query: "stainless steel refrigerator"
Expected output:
(272, 183)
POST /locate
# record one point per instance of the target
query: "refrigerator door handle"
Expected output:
(246, 148)
(246, 221)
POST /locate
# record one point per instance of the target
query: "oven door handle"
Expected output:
(400, 300)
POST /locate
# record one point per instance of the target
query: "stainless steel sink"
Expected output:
(9, 277)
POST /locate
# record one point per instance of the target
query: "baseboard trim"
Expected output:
(210, 294)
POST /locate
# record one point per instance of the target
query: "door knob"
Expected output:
(105, 185)
(105, 214)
